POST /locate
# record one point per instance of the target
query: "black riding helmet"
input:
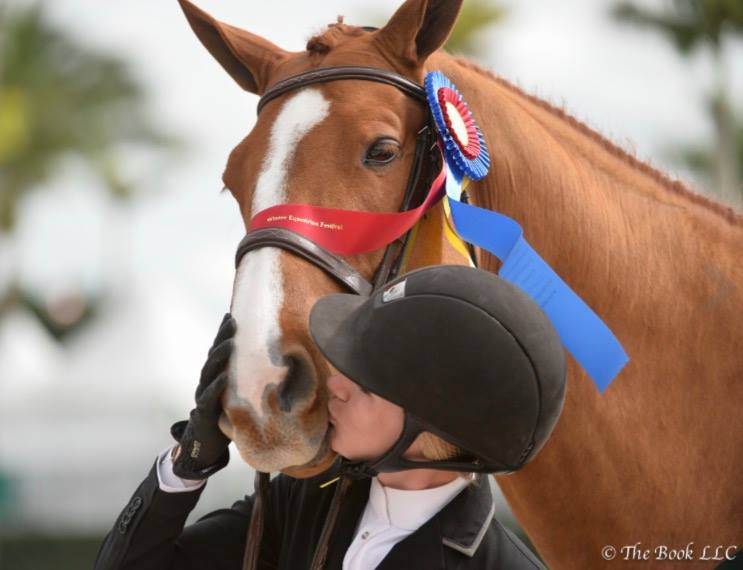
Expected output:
(468, 356)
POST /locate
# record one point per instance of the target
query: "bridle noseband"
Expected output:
(424, 165)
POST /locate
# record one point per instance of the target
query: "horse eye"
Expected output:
(381, 152)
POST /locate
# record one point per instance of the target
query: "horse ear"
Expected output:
(248, 58)
(419, 28)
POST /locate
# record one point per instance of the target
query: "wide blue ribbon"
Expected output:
(582, 332)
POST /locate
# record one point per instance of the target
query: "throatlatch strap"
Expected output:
(257, 517)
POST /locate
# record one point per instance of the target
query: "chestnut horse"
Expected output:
(657, 459)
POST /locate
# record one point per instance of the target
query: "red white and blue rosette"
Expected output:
(463, 144)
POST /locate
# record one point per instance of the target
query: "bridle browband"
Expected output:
(424, 165)
(324, 75)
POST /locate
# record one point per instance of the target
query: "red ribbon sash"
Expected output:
(347, 232)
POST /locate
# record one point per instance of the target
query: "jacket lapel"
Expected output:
(467, 518)
(460, 525)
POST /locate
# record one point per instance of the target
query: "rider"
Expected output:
(444, 375)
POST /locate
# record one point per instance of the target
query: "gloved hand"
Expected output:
(203, 447)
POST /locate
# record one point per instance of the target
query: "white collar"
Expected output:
(408, 510)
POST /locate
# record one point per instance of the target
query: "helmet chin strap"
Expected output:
(392, 460)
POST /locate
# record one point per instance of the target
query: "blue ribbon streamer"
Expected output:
(582, 332)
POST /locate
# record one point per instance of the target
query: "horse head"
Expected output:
(342, 144)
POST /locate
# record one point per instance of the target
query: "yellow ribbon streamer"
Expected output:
(451, 234)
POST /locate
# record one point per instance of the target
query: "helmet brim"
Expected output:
(332, 323)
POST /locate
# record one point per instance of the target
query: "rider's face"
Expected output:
(363, 425)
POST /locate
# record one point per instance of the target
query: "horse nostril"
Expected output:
(297, 385)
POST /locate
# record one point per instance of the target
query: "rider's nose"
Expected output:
(339, 386)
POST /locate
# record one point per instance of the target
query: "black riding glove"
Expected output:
(203, 447)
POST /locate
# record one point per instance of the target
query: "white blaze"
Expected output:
(258, 291)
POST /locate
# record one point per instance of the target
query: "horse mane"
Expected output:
(664, 180)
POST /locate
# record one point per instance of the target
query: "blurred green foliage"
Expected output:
(688, 22)
(691, 25)
(475, 16)
(7, 497)
(58, 97)
(38, 552)
(703, 159)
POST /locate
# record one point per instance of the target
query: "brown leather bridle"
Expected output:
(426, 163)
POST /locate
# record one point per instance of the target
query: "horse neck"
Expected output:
(568, 186)
(660, 265)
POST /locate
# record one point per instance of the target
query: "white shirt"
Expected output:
(169, 481)
(391, 515)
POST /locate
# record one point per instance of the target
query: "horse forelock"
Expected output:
(334, 34)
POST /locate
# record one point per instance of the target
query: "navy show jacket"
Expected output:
(149, 533)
